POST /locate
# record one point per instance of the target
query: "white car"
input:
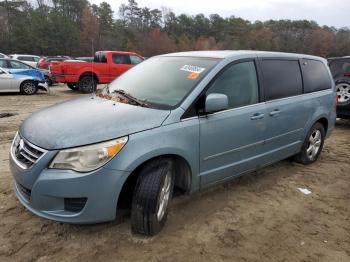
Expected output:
(3, 55)
(25, 81)
(31, 60)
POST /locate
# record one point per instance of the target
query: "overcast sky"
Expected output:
(325, 12)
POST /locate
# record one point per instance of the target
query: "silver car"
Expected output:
(25, 81)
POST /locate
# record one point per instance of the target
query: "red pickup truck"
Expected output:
(84, 76)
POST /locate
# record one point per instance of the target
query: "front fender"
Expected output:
(180, 139)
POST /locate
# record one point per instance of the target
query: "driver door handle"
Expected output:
(257, 116)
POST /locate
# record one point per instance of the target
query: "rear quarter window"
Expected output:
(282, 78)
(316, 76)
(26, 58)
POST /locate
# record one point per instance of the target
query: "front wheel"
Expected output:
(153, 192)
(312, 146)
(29, 87)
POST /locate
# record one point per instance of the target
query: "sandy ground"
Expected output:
(259, 217)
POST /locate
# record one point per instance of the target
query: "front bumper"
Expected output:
(43, 85)
(45, 192)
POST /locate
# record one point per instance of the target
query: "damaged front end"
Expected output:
(35, 75)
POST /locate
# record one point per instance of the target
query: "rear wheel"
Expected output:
(87, 84)
(73, 86)
(29, 87)
(312, 146)
(153, 192)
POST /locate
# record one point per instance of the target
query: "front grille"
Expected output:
(74, 204)
(24, 191)
(24, 153)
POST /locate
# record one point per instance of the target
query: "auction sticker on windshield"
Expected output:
(193, 70)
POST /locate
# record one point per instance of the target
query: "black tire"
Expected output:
(73, 86)
(29, 87)
(87, 84)
(306, 156)
(153, 181)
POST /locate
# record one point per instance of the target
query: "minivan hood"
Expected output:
(87, 120)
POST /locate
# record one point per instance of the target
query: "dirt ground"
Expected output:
(259, 217)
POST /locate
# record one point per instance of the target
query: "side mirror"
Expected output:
(215, 102)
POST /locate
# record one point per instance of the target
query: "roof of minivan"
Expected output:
(232, 53)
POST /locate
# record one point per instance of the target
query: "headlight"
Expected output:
(88, 158)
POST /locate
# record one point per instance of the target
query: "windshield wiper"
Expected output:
(130, 97)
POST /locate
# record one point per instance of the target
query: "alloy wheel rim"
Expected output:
(88, 85)
(29, 88)
(164, 196)
(343, 93)
(314, 145)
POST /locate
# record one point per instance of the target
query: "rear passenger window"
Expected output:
(103, 58)
(282, 78)
(3, 63)
(239, 82)
(100, 57)
(316, 77)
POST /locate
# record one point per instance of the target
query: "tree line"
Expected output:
(79, 28)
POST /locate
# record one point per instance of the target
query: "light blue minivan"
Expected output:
(174, 123)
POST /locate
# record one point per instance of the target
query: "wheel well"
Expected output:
(89, 74)
(36, 82)
(183, 178)
(324, 122)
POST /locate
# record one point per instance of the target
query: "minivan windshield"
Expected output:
(161, 82)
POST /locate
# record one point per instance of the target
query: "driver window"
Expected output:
(19, 65)
(239, 82)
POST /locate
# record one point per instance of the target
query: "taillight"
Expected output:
(347, 74)
(336, 100)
